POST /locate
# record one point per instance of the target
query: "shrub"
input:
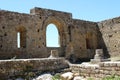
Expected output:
(56, 77)
(113, 77)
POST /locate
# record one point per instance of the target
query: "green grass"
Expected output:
(56, 77)
(112, 78)
(90, 79)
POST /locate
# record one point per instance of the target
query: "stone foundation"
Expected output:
(97, 70)
(18, 67)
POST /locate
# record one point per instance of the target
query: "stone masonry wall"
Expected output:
(10, 24)
(22, 67)
(101, 70)
(110, 31)
(77, 37)
(84, 38)
(32, 27)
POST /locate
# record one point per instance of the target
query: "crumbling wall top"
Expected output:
(41, 11)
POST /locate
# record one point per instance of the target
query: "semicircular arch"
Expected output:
(60, 25)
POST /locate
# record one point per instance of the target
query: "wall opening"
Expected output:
(89, 43)
(18, 39)
(52, 36)
(21, 38)
(69, 32)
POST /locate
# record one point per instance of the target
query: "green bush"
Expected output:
(90, 79)
(112, 78)
(56, 77)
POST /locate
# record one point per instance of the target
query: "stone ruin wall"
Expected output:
(97, 71)
(84, 38)
(24, 67)
(110, 31)
(77, 37)
(33, 28)
(10, 24)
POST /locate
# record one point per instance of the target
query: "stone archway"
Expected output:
(62, 30)
(61, 26)
(52, 36)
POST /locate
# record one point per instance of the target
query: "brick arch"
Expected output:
(61, 26)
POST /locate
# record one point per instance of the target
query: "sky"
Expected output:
(91, 10)
(52, 36)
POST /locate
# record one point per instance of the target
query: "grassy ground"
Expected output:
(112, 77)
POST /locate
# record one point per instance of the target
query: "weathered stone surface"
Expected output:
(67, 76)
(110, 30)
(44, 77)
(82, 35)
(99, 54)
(19, 79)
(21, 67)
(99, 71)
(54, 54)
(78, 39)
(78, 78)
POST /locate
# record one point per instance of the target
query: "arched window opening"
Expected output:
(21, 38)
(52, 36)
